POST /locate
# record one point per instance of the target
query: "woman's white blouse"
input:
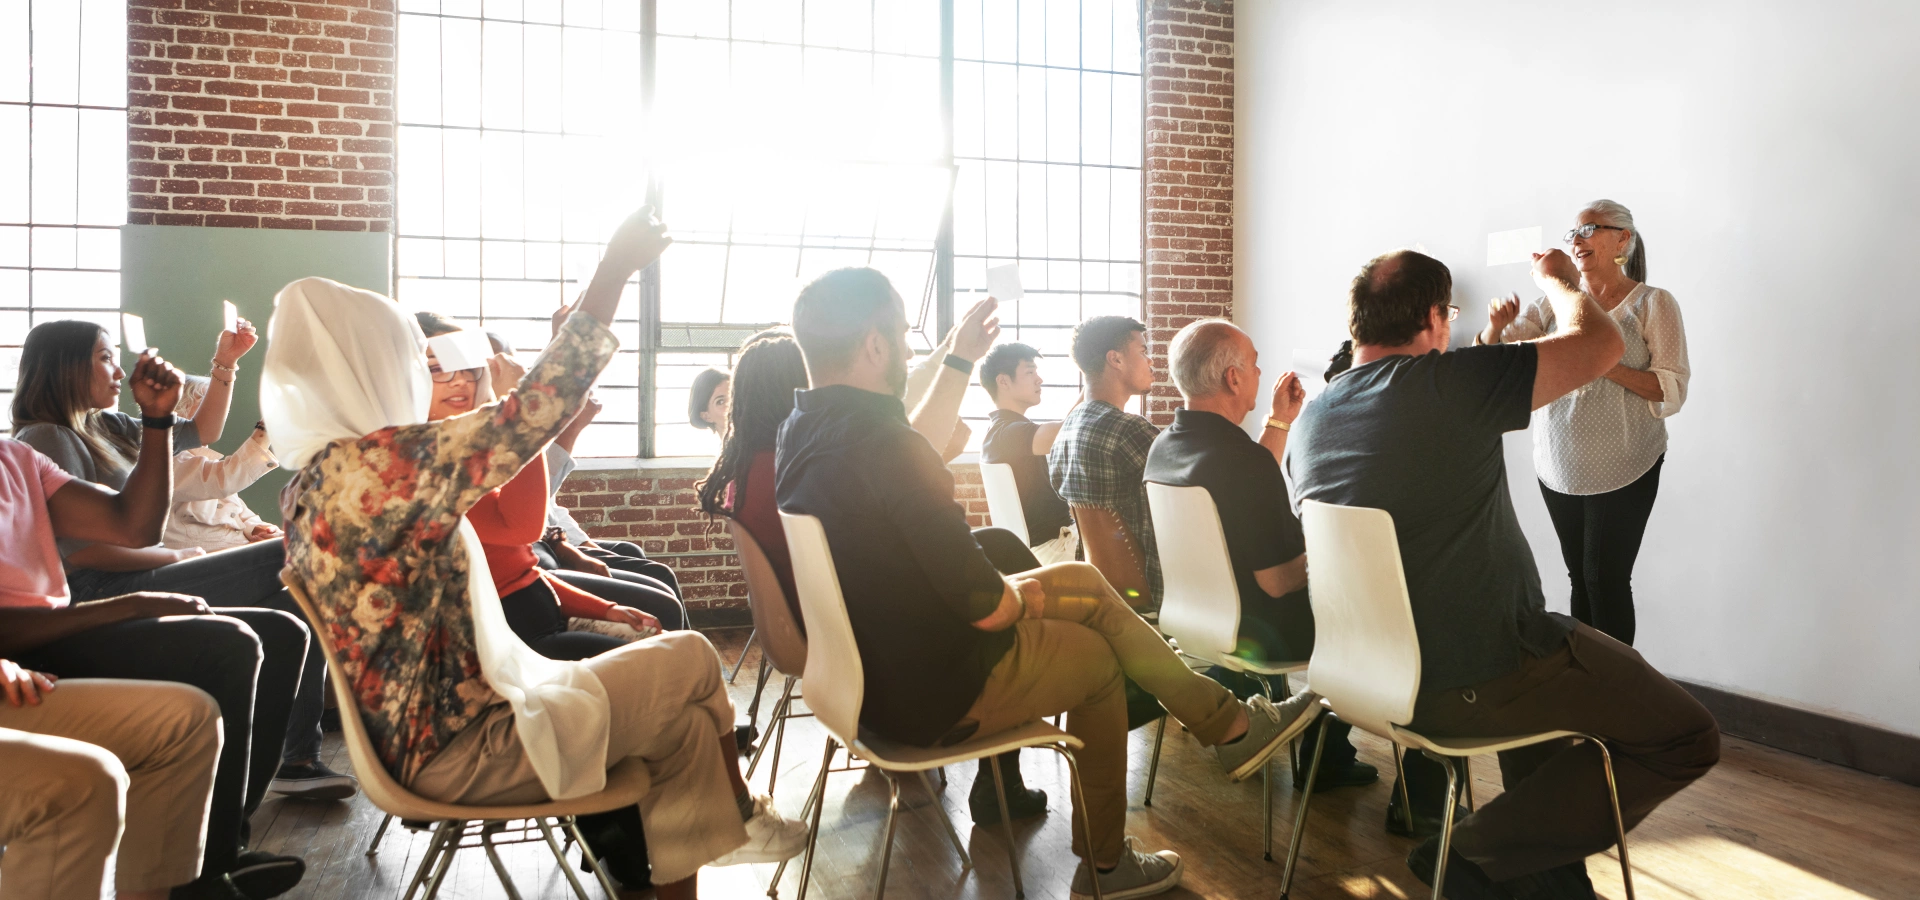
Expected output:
(1603, 437)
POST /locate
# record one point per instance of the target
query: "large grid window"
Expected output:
(1047, 143)
(779, 139)
(63, 166)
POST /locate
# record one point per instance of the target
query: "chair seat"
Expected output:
(1250, 666)
(899, 757)
(1473, 746)
(627, 782)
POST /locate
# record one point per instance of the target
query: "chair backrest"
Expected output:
(1366, 654)
(836, 681)
(780, 636)
(1200, 600)
(1003, 499)
(1111, 548)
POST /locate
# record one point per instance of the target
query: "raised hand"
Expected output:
(1501, 311)
(235, 344)
(636, 243)
(974, 334)
(1288, 397)
(156, 385)
(1554, 271)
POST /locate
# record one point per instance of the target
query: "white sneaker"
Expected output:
(771, 837)
(1138, 875)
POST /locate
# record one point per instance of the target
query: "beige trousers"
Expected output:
(668, 705)
(1071, 661)
(94, 753)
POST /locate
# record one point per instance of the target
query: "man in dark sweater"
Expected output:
(951, 648)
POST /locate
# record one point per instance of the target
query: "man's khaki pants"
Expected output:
(1072, 661)
(667, 703)
(92, 753)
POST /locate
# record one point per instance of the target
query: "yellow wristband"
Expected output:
(1276, 423)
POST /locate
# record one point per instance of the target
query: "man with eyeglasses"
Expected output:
(1417, 431)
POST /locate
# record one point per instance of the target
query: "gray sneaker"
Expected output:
(1138, 875)
(1268, 728)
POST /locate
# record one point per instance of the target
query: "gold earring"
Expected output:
(1619, 260)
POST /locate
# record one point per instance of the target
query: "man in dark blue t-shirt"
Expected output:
(1010, 373)
(1416, 430)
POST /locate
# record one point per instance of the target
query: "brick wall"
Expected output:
(1189, 180)
(656, 509)
(260, 113)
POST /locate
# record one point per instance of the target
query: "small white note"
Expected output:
(458, 350)
(1311, 366)
(134, 330)
(1516, 246)
(229, 317)
(1003, 283)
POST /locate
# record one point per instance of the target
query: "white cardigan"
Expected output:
(1603, 437)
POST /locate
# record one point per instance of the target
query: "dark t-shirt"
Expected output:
(1010, 440)
(913, 577)
(1203, 449)
(1420, 437)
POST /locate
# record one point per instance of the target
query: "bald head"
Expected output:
(1394, 296)
(1203, 352)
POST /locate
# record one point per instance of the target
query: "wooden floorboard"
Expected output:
(1764, 824)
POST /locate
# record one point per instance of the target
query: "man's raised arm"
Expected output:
(1588, 342)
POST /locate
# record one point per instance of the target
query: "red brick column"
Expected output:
(260, 113)
(1189, 175)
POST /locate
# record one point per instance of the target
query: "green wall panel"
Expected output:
(175, 277)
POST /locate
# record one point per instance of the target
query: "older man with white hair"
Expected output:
(1217, 369)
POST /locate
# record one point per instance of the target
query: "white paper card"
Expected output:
(229, 316)
(1516, 246)
(1311, 366)
(458, 350)
(1003, 283)
(134, 330)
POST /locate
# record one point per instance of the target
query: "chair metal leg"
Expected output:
(1153, 767)
(759, 687)
(373, 847)
(427, 860)
(816, 795)
(780, 709)
(1300, 818)
(606, 882)
(1400, 779)
(1446, 832)
(560, 856)
(886, 843)
(743, 655)
(813, 831)
(1619, 823)
(448, 846)
(487, 831)
(1266, 809)
(1080, 809)
(1006, 825)
(1466, 776)
(966, 862)
(779, 738)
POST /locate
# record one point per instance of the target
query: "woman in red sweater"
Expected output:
(740, 486)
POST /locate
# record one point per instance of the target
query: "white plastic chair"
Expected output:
(1366, 663)
(1003, 499)
(836, 688)
(1200, 605)
(627, 782)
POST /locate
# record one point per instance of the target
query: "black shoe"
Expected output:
(1423, 825)
(1567, 882)
(313, 781)
(1354, 774)
(207, 887)
(743, 738)
(260, 875)
(1022, 802)
(1465, 880)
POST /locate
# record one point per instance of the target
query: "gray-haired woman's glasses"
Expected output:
(440, 377)
(1587, 230)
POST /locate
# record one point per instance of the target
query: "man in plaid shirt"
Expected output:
(1100, 457)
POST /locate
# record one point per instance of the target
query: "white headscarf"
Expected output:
(343, 363)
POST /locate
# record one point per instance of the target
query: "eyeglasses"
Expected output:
(1587, 230)
(1453, 312)
(440, 377)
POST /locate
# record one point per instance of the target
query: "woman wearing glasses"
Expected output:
(1598, 451)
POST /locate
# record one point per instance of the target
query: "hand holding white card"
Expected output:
(134, 330)
(1311, 366)
(1003, 283)
(458, 350)
(229, 317)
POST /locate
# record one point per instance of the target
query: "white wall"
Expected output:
(1771, 154)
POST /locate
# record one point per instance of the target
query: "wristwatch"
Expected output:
(161, 422)
(1276, 423)
(962, 366)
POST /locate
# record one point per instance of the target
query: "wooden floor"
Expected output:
(1764, 824)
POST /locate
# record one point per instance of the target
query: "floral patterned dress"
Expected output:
(372, 535)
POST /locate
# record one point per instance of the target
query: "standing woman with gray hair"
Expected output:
(1599, 450)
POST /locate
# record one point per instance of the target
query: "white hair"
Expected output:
(1203, 352)
(1612, 213)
